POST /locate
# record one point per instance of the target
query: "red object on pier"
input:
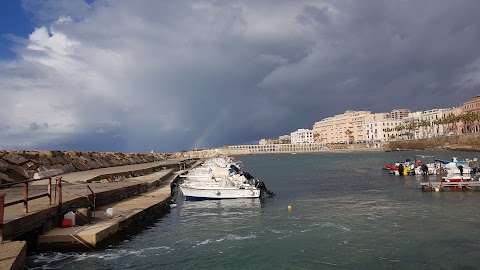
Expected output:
(66, 222)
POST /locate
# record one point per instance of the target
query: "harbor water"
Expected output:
(346, 213)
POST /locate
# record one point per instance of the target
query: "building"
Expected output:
(472, 106)
(383, 131)
(349, 127)
(262, 142)
(302, 136)
(451, 125)
(397, 114)
(284, 139)
(432, 127)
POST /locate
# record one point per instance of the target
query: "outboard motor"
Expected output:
(247, 175)
(259, 184)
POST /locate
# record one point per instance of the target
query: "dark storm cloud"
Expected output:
(177, 75)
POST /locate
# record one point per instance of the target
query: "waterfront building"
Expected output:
(431, 127)
(383, 131)
(472, 106)
(397, 114)
(262, 142)
(451, 126)
(285, 139)
(410, 126)
(302, 136)
(348, 127)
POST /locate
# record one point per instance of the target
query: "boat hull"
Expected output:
(213, 193)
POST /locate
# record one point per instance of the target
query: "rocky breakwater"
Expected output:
(18, 166)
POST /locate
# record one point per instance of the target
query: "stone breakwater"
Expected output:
(18, 166)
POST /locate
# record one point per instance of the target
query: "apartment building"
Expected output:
(302, 136)
(472, 106)
(383, 130)
(397, 114)
(433, 130)
(453, 127)
(348, 127)
(284, 139)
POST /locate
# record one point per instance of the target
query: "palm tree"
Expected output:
(468, 118)
(423, 124)
(409, 127)
(348, 133)
(452, 119)
(399, 128)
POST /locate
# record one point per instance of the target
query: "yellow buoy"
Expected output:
(289, 208)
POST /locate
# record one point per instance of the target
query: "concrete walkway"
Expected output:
(104, 226)
(74, 186)
(12, 255)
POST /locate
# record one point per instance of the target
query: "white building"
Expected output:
(383, 131)
(302, 136)
(432, 130)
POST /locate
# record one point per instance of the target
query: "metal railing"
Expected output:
(90, 203)
(26, 197)
(47, 194)
(2, 201)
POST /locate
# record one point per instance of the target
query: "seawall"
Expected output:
(464, 142)
(18, 166)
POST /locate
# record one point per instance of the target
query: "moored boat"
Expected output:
(221, 179)
(217, 193)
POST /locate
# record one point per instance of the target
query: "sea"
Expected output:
(345, 212)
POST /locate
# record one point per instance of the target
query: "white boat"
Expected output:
(212, 192)
(220, 178)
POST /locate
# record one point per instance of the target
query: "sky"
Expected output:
(136, 76)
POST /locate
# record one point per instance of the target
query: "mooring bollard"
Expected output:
(2, 210)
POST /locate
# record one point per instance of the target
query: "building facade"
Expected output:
(397, 114)
(433, 129)
(348, 127)
(383, 131)
(302, 136)
(472, 106)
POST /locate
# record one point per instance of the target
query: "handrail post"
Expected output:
(59, 191)
(25, 197)
(49, 192)
(2, 210)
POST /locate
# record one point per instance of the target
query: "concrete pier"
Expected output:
(125, 212)
(132, 199)
(12, 255)
(441, 186)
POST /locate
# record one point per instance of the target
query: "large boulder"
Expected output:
(21, 175)
(15, 159)
(69, 168)
(3, 165)
(44, 161)
(4, 179)
(30, 166)
(79, 164)
(46, 153)
(31, 154)
(27, 174)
